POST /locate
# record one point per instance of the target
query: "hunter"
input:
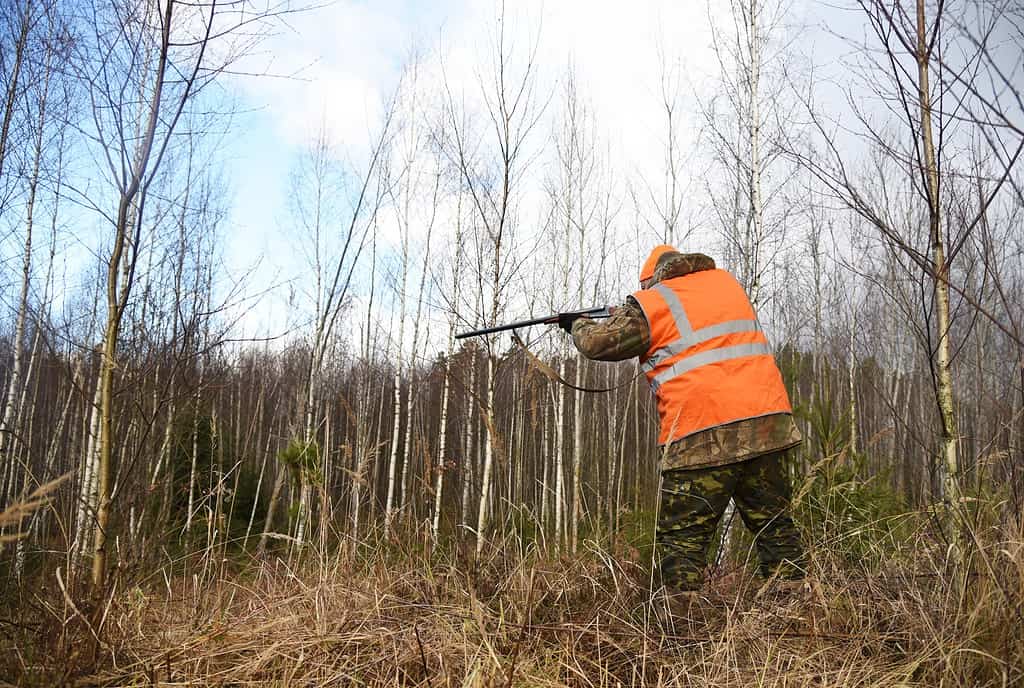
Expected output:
(726, 421)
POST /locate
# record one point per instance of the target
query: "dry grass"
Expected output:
(22, 508)
(516, 618)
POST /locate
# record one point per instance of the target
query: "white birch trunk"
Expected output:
(403, 490)
(755, 218)
(622, 460)
(389, 508)
(14, 383)
(943, 358)
(325, 480)
(467, 464)
(309, 427)
(407, 449)
(88, 497)
(559, 465)
(851, 365)
(442, 458)
(545, 487)
(485, 482)
(577, 457)
(25, 451)
(756, 207)
(192, 477)
(393, 459)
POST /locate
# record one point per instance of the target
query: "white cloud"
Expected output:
(350, 56)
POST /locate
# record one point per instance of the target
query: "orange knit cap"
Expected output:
(647, 271)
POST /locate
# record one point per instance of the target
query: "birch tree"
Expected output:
(741, 129)
(39, 133)
(443, 461)
(491, 164)
(669, 197)
(144, 66)
(415, 198)
(908, 67)
(574, 199)
(337, 234)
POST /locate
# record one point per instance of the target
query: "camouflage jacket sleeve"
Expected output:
(624, 335)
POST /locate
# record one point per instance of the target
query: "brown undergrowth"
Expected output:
(389, 616)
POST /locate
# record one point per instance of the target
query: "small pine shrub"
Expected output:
(855, 515)
(302, 460)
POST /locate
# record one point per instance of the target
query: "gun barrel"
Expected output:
(596, 312)
(508, 326)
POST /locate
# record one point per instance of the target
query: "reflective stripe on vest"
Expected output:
(706, 358)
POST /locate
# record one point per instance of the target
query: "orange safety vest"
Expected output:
(709, 363)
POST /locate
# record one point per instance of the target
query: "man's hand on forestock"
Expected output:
(566, 321)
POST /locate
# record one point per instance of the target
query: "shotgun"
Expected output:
(561, 319)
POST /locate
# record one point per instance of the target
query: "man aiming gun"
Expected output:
(726, 421)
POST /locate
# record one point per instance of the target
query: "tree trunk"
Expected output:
(393, 460)
(407, 449)
(87, 499)
(851, 369)
(193, 476)
(559, 467)
(577, 457)
(275, 497)
(468, 458)
(490, 427)
(943, 361)
(442, 438)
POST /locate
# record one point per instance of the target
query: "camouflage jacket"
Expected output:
(626, 335)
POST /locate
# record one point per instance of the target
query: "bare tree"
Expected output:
(492, 185)
(144, 65)
(442, 434)
(900, 68)
(574, 198)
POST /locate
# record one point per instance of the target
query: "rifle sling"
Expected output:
(550, 373)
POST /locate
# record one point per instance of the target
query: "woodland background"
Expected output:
(152, 454)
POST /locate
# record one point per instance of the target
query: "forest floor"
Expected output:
(514, 617)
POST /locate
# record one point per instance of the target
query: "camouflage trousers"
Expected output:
(692, 504)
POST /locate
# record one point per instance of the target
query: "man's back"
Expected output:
(627, 334)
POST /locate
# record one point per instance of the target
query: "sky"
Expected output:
(335, 65)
